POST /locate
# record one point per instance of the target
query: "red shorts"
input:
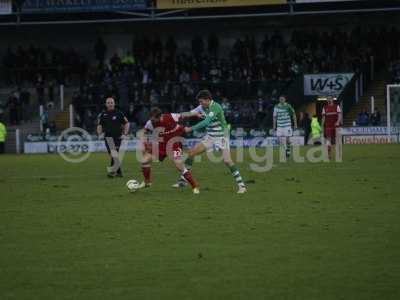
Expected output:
(330, 132)
(175, 153)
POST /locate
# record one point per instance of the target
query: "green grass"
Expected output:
(304, 231)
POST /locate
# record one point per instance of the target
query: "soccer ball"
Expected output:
(132, 185)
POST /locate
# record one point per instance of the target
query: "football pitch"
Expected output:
(303, 231)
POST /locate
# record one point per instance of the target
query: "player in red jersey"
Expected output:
(331, 119)
(168, 134)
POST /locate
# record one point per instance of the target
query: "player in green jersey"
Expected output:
(217, 136)
(284, 114)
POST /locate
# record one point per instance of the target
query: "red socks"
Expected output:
(189, 178)
(146, 170)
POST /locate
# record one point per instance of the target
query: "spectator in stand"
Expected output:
(376, 118)
(51, 92)
(171, 47)
(77, 103)
(225, 105)
(131, 116)
(157, 47)
(260, 112)
(197, 47)
(100, 50)
(115, 62)
(8, 65)
(89, 120)
(363, 118)
(213, 45)
(305, 124)
(128, 59)
(44, 119)
(40, 89)
(53, 128)
(13, 107)
(25, 100)
(3, 136)
(143, 115)
(154, 97)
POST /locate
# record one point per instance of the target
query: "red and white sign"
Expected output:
(370, 139)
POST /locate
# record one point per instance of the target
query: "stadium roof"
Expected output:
(152, 14)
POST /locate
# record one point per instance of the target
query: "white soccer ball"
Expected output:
(132, 185)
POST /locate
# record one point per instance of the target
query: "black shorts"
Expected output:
(117, 143)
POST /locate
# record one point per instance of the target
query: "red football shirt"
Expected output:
(331, 113)
(169, 128)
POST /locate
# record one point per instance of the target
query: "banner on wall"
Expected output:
(370, 139)
(172, 4)
(5, 7)
(370, 130)
(132, 145)
(63, 6)
(326, 84)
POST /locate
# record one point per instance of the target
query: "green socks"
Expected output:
(236, 174)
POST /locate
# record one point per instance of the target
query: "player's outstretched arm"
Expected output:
(207, 121)
(191, 114)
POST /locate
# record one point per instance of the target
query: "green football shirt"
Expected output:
(214, 122)
(283, 112)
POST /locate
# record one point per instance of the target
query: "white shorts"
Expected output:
(284, 132)
(215, 143)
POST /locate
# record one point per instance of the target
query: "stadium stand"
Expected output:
(247, 76)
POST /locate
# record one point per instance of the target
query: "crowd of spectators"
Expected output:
(18, 105)
(248, 78)
(365, 118)
(23, 102)
(33, 64)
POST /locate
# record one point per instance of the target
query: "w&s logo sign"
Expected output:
(325, 84)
